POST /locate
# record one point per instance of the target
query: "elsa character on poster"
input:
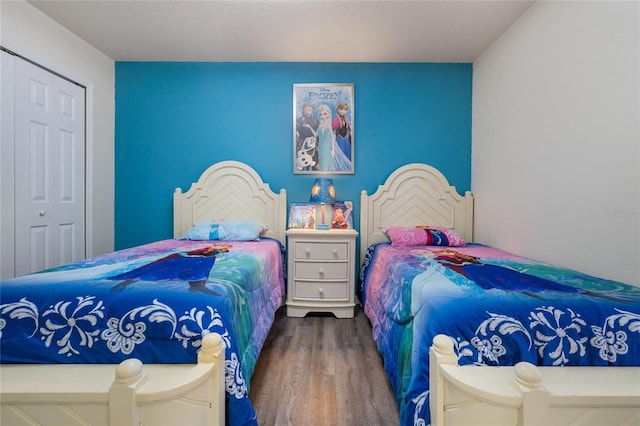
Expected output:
(330, 156)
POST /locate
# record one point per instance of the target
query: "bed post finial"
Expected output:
(212, 348)
(129, 371)
(443, 345)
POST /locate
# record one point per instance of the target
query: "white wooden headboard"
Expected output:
(414, 194)
(230, 190)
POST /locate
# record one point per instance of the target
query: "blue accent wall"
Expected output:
(173, 120)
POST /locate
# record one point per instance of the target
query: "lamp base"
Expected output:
(322, 226)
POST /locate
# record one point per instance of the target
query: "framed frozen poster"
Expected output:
(323, 124)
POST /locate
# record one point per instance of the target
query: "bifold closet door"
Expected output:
(49, 186)
(7, 160)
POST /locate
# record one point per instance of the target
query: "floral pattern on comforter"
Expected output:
(153, 302)
(498, 309)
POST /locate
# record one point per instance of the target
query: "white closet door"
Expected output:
(49, 169)
(7, 247)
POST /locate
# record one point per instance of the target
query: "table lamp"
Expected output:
(323, 192)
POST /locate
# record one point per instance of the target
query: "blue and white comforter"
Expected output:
(153, 302)
(498, 308)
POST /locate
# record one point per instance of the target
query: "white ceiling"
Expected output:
(287, 31)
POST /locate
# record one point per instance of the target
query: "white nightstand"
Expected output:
(321, 272)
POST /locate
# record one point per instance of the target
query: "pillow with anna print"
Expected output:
(227, 230)
(430, 235)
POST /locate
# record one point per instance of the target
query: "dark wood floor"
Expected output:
(320, 370)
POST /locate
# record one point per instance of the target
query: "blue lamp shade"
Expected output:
(323, 191)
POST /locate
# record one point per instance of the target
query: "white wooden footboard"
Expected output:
(527, 395)
(128, 394)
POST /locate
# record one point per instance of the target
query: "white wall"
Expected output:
(31, 34)
(555, 152)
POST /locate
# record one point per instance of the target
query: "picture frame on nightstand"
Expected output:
(302, 216)
(342, 215)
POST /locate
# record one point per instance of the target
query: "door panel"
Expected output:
(38, 243)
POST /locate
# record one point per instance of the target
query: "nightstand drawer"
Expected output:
(321, 250)
(321, 270)
(323, 290)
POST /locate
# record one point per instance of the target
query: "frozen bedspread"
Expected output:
(497, 307)
(153, 302)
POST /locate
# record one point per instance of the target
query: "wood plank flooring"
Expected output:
(321, 371)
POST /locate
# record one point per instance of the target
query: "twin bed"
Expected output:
(140, 337)
(134, 322)
(463, 327)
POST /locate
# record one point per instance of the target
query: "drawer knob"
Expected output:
(321, 290)
(307, 252)
(335, 252)
(321, 271)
